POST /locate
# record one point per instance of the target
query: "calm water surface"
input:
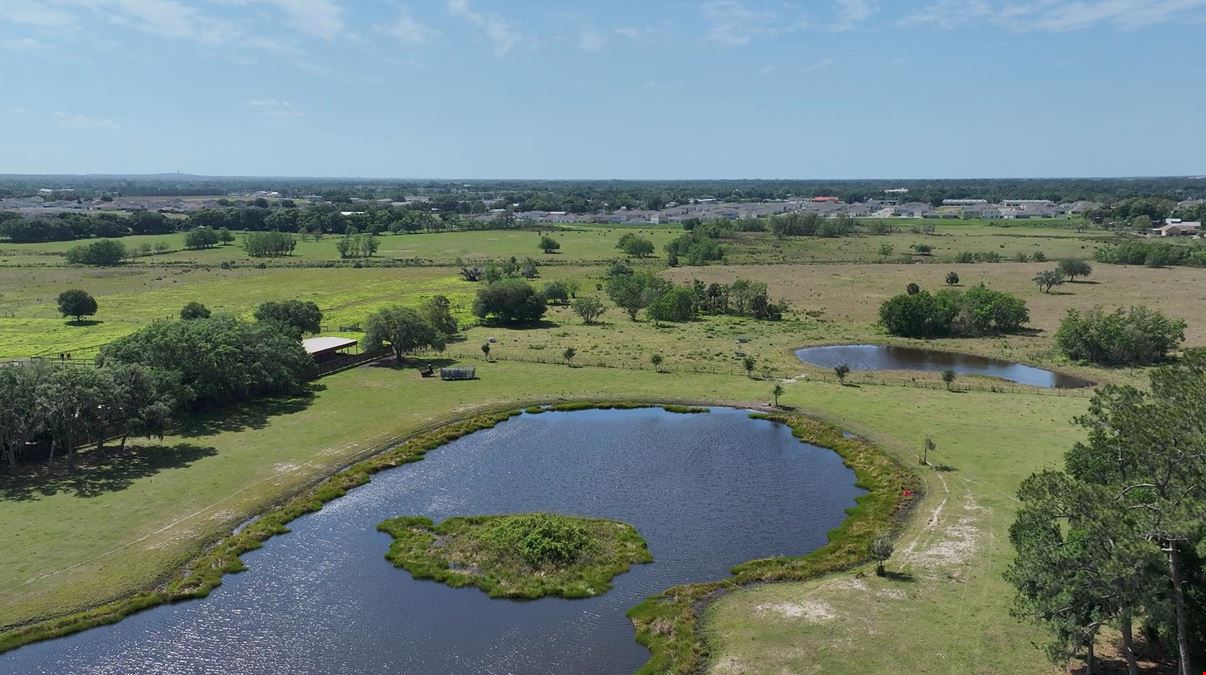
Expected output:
(889, 357)
(706, 491)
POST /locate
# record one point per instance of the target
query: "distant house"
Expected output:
(825, 200)
(1175, 227)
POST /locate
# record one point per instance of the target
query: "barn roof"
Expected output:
(318, 345)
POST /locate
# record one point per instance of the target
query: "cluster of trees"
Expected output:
(269, 244)
(697, 247)
(663, 301)
(356, 245)
(507, 269)
(300, 317)
(742, 298)
(509, 301)
(952, 313)
(405, 330)
(1124, 337)
(55, 409)
(1141, 212)
(220, 359)
(207, 237)
(811, 225)
(635, 245)
(1117, 538)
(103, 252)
(1153, 254)
(68, 226)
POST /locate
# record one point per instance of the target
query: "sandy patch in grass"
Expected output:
(812, 611)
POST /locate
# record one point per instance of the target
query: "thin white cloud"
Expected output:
(408, 30)
(852, 13)
(77, 121)
(319, 18)
(501, 33)
(163, 18)
(820, 64)
(1056, 15)
(36, 13)
(734, 24)
(591, 40)
(20, 44)
(274, 108)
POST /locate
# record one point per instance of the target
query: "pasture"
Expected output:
(126, 522)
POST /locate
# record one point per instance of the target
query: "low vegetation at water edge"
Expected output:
(527, 555)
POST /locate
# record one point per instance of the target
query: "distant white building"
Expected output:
(1175, 227)
(964, 202)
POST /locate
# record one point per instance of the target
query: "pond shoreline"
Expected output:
(204, 573)
(1071, 381)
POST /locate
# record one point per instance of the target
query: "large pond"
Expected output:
(706, 491)
(890, 357)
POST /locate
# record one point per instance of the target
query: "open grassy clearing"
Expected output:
(579, 243)
(946, 605)
(131, 297)
(947, 241)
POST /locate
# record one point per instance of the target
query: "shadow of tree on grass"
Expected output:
(253, 414)
(96, 473)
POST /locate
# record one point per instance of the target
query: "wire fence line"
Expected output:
(862, 378)
(869, 378)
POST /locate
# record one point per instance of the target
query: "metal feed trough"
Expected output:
(458, 373)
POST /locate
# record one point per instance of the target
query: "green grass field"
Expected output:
(123, 524)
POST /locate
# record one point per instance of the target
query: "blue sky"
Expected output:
(605, 89)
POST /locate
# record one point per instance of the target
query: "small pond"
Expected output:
(706, 491)
(890, 357)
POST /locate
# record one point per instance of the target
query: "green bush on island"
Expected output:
(528, 555)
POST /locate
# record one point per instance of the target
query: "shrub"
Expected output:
(540, 538)
(548, 244)
(589, 308)
(952, 278)
(556, 292)
(509, 301)
(695, 248)
(1048, 279)
(1134, 336)
(676, 304)
(635, 245)
(194, 310)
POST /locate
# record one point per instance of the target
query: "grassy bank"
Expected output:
(517, 556)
